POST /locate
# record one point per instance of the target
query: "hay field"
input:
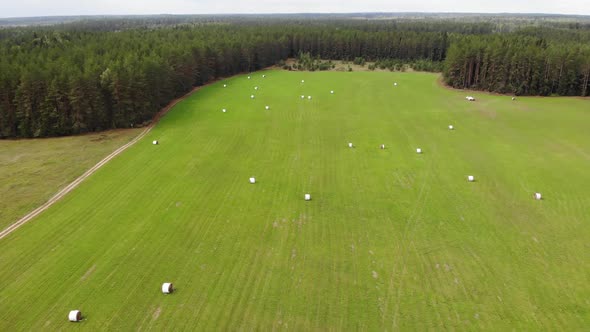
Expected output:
(32, 170)
(391, 240)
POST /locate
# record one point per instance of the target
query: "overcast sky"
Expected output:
(23, 8)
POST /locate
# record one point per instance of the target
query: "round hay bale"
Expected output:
(167, 288)
(252, 180)
(451, 127)
(307, 197)
(302, 97)
(267, 107)
(470, 178)
(155, 142)
(302, 81)
(251, 96)
(382, 146)
(248, 77)
(255, 88)
(225, 85)
(513, 98)
(350, 145)
(332, 91)
(224, 110)
(263, 76)
(75, 316)
(538, 196)
(309, 97)
(395, 84)
(418, 150)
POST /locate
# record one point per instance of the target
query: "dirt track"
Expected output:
(91, 171)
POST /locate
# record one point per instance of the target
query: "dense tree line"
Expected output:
(74, 82)
(61, 82)
(519, 64)
(91, 75)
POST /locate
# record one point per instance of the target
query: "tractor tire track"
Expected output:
(73, 185)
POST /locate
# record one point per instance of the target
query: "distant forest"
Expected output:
(101, 73)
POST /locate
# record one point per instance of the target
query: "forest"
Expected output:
(98, 74)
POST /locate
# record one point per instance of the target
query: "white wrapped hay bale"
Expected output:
(350, 145)
(252, 180)
(538, 196)
(255, 88)
(251, 96)
(418, 150)
(395, 84)
(224, 110)
(248, 77)
(302, 97)
(309, 97)
(225, 85)
(513, 98)
(307, 197)
(155, 142)
(332, 91)
(451, 127)
(75, 316)
(302, 81)
(382, 146)
(167, 288)
(267, 107)
(470, 178)
(263, 76)
(470, 98)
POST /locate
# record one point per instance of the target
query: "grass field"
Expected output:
(392, 239)
(33, 170)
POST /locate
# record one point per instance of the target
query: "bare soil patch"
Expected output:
(89, 272)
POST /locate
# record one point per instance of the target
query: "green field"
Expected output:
(31, 171)
(391, 240)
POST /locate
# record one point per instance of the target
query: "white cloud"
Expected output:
(97, 7)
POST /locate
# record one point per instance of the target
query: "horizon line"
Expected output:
(296, 13)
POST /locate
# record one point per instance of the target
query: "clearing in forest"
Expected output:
(391, 239)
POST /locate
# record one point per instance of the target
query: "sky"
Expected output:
(27, 8)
